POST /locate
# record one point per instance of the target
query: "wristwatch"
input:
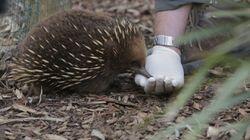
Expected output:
(163, 40)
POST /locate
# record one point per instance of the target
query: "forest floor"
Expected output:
(119, 113)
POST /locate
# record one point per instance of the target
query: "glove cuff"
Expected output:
(164, 50)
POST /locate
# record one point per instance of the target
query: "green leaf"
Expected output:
(232, 13)
(204, 33)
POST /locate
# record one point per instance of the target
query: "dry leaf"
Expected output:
(63, 127)
(18, 94)
(5, 109)
(27, 138)
(197, 106)
(98, 134)
(27, 109)
(242, 112)
(212, 131)
(180, 119)
(217, 72)
(150, 128)
(125, 99)
(53, 137)
(69, 107)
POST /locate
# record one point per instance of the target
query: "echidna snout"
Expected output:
(137, 56)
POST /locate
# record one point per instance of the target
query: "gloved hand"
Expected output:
(164, 64)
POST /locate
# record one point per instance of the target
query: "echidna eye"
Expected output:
(135, 64)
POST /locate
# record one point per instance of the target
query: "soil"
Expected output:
(116, 114)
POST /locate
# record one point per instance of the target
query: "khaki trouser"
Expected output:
(163, 5)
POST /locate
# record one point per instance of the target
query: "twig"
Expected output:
(199, 45)
(4, 84)
(3, 78)
(40, 96)
(106, 100)
(121, 103)
(27, 109)
(4, 121)
(5, 109)
(96, 102)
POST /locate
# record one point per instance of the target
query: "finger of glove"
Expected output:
(150, 85)
(159, 85)
(140, 80)
(178, 83)
(168, 84)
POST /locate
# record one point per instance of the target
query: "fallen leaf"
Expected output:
(27, 138)
(63, 127)
(98, 134)
(217, 72)
(180, 119)
(53, 137)
(125, 99)
(5, 109)
(242, 112)
(150, 128)
(18, 94)
(212, 131)
(27, 109)
(197, 106)
(69, 107)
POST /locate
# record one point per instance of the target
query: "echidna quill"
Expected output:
(79, 51)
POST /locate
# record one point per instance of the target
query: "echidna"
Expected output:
(80, 51)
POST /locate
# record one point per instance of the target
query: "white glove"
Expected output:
(164, 64)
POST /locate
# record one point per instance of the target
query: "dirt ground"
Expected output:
(116, 114)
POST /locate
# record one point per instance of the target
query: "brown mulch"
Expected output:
(116, 114)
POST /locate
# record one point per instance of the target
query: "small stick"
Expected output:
(121, 103)
(4, 121)
(40, 96)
